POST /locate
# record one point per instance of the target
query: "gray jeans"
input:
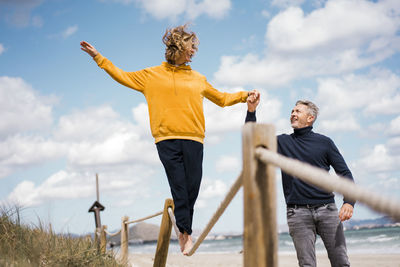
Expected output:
(305, 223)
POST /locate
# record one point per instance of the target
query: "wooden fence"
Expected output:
(260, 235)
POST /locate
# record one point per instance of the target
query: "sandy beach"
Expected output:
(236, 260)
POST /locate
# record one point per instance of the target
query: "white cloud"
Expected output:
(228, 164)
(388, 104)
(212, 188)
(379, 159)
(91, 139)
(268, 111)
(162, 9)
(343, 36)
(19, 12)
(69, 31)
(61, 185)
(91, 124)
(228, 119)
(219, 120)
(24, 194)
(18, 151)
(340, 25)
(22, 108)
(2, 49)
(394, 145)
(389, 184)
(97, 136)
(394, 127)
(123, 183)
(213, 8)
(341, 123)
(251, 69)
(373, 94)
(140, 114)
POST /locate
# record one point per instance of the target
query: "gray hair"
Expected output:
(312, 108)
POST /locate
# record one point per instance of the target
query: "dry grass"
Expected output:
(22, 245)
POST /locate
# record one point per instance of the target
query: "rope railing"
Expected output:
(331, 182)
(98, 232)
(101, 233)
(145, 218)
(222, 206)
(112, 234)
(259, 206)
(130, 222)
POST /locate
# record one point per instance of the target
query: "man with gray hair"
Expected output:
(310, 210)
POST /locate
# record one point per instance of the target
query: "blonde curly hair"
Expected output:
(177, 41)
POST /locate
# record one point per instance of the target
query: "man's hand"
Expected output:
(253, 100)
(346, 212)
(88, 48)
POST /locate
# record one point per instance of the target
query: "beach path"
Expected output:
(236, 260)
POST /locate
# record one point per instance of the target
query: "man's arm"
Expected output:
(252, 103)
(339, 165)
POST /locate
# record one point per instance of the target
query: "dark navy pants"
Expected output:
(182, 160)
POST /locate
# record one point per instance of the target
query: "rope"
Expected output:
(145, 218)
(172, 218)
(330, 183)
(98, 232)
(135, 221)
(112, 234)
(228, 198)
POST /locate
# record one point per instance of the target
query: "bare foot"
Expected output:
(182, 241)
(188, 244)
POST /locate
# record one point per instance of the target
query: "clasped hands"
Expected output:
(253, 100)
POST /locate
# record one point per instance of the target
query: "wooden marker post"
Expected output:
(96, 208)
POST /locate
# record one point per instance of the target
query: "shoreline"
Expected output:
(236, 260)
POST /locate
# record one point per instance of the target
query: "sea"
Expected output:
(384, 240)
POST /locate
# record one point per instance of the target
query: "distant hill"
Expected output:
(384, 221)
(141, 233)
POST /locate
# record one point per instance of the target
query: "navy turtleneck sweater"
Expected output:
(315, 149)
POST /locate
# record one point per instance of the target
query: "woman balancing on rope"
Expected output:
(174, 94)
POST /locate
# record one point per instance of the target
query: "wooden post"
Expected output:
(124, 240)
(97, 187)
(164, 236)
(96, 237)
(96, 208)
(103, 239)
(260, 236)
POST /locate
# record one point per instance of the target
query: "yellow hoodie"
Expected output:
(174, 96)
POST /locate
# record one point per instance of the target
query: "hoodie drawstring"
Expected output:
(173, 77)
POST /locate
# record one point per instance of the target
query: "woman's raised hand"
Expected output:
(88, 48)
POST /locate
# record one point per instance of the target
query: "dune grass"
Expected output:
(22, 245)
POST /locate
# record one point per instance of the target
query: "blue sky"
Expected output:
(63, 119)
